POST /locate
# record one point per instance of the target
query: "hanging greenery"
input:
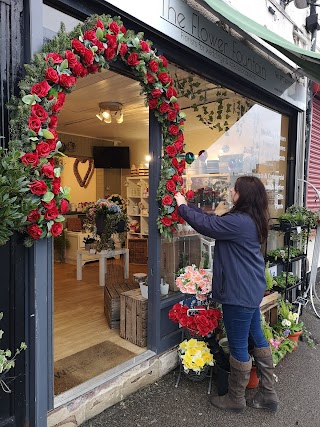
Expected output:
(50, 76)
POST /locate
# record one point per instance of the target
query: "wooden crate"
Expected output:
(134, 317)
(138, 251)
(112, 292)
(269, 307)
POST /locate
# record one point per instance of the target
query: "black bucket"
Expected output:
(222, 380)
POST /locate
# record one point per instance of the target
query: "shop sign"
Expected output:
(180, 22)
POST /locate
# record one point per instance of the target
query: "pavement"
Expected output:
(163, 405)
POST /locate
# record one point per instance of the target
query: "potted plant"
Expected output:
(283, 253)
(106, 219)
(298, 215)
(7, 361)
(288, 324)
(195, 358)
(269, 279)
(285, 279)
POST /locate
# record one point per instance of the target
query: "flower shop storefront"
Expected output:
(212, 114)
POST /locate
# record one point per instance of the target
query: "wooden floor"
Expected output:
(79, 320)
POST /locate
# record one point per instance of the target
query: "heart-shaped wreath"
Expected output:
(83, 182)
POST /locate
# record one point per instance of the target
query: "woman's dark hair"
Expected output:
(253, 200)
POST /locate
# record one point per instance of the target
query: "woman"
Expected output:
(239, 284)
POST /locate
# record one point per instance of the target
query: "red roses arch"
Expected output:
(53, 74)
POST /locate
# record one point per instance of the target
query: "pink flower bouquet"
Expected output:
(192, 280)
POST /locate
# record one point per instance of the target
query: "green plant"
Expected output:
(7, 360)
(269, 279)
(288, 321)
(205, 259)
(282, 253)
(299, 215)
(284, 279)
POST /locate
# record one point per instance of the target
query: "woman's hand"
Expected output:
(181, 200)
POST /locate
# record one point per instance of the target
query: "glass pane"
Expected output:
(229, 135)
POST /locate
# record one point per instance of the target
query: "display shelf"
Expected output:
(138, 205)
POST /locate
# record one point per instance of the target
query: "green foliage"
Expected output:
(269, 279)
(285, 279)
(7, 360)
(15, 199)
(282, 253)
(299, 215)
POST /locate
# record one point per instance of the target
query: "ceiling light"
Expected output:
(109, 111)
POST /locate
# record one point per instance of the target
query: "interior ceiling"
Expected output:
(78, 115)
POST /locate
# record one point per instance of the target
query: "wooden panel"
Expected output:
(112, 293)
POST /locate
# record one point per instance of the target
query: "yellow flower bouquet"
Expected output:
(195, 357)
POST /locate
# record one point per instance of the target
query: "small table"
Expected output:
(102, 263)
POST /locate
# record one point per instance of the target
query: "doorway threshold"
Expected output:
(69, 395)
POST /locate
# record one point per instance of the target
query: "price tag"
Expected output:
(298, 229)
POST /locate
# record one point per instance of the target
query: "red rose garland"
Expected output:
(106, 41)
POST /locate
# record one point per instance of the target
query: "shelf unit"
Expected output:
(290, 264)
(138, 205)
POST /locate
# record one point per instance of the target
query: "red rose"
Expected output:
(171, 150)
(156, 93)
(40, 89)
(93, 69)
(31, 159)
(67, 81)
(181, 220)
(34, 231)
(49, 205)
(133, 59)
(64, 206)
(38, 187)
(53, 121)
(175, 177)
(171, 92)
(59, 102)
(144, 46)
(164, 78)
(51, 161)
(173, 130)
(114, 27)
(99, 45)
(175, 105)
(111, 41)
(56, 185)
(150, 78)
(99, 24)
(179, 145)
(123, 29)
(90, 35)
(77, 69)
(166, 221)
(180, 137)
(109, 53)
(164, 107)
(52, 75)
(153, 102)
(164, 60)
(88, 57)
(33, 215)
(56, 229)
(171, 186)
(202, 324)
(153, 65)
(172, 115)
(175, 163)
(47, 170)
(51, 213)
(38, 111)
(71, 58)
(43, 149)
(34, 123)
(189, 194)
(57, 59)
(123, 49)
(167, 200)
(77, 46)
(174, 216)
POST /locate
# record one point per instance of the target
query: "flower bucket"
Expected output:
(193, 376)
(253, 380)
(295, 337)
(100, 224)
(224, 344)
(144, 290)
(222, 380)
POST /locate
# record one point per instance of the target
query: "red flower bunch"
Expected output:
(199, 321)
(104, 40)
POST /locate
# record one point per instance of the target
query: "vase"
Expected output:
(144, 290)
(100, 224)
(253, 380)
(295, 337)
(224, 344)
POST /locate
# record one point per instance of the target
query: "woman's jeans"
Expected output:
(242, 323)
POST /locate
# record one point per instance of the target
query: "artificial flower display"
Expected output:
(192, 280)
(195, 355)
(52, 75)
(199, 322)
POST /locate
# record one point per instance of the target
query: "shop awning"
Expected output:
(308, 61)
